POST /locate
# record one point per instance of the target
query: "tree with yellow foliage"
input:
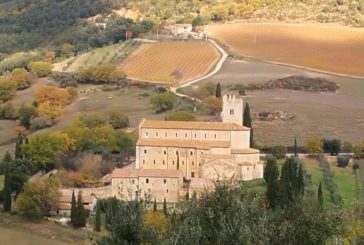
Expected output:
(41, 68)
(51, 100)
(21, 77)
(43, 148)
(156, 220)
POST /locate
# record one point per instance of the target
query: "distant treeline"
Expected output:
(29, 24)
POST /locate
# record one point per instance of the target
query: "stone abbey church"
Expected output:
(175, 159)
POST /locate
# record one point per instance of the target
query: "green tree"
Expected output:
(165, 210)
(271, 175)
(43, 148)
(80, 218)
(7, 89)
(155, 205)
(212, 104)
(295, 148)
(18, 143)
(20, 77)
(247, 122)
(218, 90)
(163, 102)
(73, 209)
(118, 119)
(279, 151)
(7, 193)
(181, 116)
(38, 198)
(320, 198)
(314, 145)
(291, 182)
(26, 113)
(98, 218)
(104, 73)
(41, 68)
(67, 50)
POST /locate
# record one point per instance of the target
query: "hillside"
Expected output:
(51, 23)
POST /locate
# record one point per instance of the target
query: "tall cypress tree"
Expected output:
(271, 175)
(73, 210)
(155, 205)
(165, 210)
(218, 90)
(301, 181)
(295, 150)
(17, 148)
(247, 122)
(81, 212)
(98, 218)
(320, 197)
(7, 191)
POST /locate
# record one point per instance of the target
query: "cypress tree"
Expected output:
(271, 175)
(17, 148)
(81, 212)
(218, 90)
(295, 150)
(98, 218)
(73, 210)
(301, 181)
(7, 192)
(155, 205)
(320, 197)
(165, 210)
(247, 122)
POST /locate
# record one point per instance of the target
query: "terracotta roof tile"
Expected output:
(183, 143)
(193, 125)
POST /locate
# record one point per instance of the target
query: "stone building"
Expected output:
(200, 152)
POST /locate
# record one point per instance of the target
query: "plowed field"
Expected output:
(332, 49)
(171, 62)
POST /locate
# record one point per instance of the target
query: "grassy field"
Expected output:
(334, 49)
(108, 54)
(344, 180)
(171, 62)
(133, 101)
(15, 230)
(321, 114)
(21, 237)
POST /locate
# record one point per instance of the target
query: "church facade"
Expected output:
(185, 157)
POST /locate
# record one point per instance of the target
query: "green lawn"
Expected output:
(344, 179)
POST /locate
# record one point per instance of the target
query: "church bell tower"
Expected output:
(232, 109)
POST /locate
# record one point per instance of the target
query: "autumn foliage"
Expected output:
(51, 100)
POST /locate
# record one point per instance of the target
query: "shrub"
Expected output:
(279, 151)
(40, 123)
(26, 113)
(356, 166)
(343, 161)
(212, 104)
(41, 68)
(118, 120)
(65, 79)
(102, 73)
(181, 116)
(9, 112)
(163, 102)
(7, 89)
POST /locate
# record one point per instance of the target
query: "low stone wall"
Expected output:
(99, 192)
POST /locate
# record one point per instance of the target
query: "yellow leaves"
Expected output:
(355, 231)
(41, 68)
(51, 100)
(156, 220)
(20, 77)
(101, 74)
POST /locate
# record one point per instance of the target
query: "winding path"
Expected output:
(218, 66)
